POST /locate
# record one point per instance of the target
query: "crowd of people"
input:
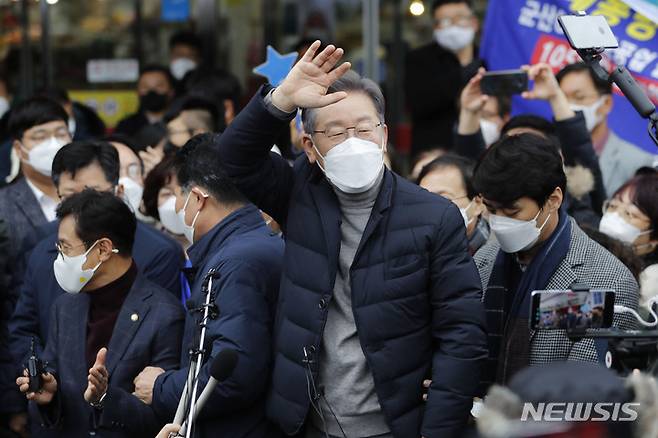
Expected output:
(358, 302)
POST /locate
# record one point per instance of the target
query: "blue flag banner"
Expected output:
(518, 32)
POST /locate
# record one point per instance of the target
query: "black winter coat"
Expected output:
(415, 290)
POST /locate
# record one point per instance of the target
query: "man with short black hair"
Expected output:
(185, 53)
(190, 116)
(39, 129)
(228, 235)
(435, 74)
(538, 247)
(379, 291)
(131, 174)
(592, 96)
(84, 123)
(112, 320)
(78, 166)
(155, 88)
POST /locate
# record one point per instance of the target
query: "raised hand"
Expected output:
(547, 88)
(472, 99)
(47, 392)
(471, 103)
(151, 157)
(307, 83)
(98, 378)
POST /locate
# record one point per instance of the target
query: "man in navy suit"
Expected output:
(112, 318)
(77, 166)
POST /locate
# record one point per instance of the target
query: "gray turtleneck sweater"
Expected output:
(344, 373)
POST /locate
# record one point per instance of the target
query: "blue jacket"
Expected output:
(415, 289)
(248, 259)
(153, 339)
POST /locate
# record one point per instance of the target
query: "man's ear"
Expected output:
(200, 198)
(229, 111)
(120, 191)
(555, 199)
(385, 140)
(106, 249)
(309, 150)
(476, 23)
(19, 150)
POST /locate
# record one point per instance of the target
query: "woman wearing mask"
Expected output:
(451, 176)
(159, 200)
(631, 216)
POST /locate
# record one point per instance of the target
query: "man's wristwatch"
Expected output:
(99, 404)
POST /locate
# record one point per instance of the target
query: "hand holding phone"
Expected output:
(504, 82)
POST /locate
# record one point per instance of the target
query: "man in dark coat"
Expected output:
(378, 290)
(110, 317)
(435, 74)
(230, 237)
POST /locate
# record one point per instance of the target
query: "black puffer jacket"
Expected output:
(415, 290)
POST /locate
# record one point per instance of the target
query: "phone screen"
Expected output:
(588, 31)
(569, 309)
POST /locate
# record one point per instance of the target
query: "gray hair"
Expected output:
(349, 82)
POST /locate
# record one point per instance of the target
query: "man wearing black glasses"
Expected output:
(378, 290)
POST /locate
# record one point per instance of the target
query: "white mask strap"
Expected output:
(317, 160)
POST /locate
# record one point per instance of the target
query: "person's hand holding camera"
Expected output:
(471, 101)
(547, 88)
(47, 392)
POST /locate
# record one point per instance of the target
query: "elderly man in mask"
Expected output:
(378, 290)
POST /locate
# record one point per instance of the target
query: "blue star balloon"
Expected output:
(276, 66)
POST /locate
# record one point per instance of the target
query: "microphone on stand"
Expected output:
(221, 369)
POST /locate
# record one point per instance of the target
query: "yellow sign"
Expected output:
(111, 105)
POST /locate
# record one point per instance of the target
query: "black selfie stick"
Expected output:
(626, 83)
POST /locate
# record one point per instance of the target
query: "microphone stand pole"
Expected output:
(188, 400)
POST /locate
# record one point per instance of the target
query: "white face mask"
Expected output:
(41, 156)
(4, 105)
(490, 131)
(454, 38)
(179, 67)
(132, 192)
(353, 165)
(613, 225)
(515, 235)
(592, 118)
(69, 273)
(464, 212)
(169, 218)
(188, 230)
